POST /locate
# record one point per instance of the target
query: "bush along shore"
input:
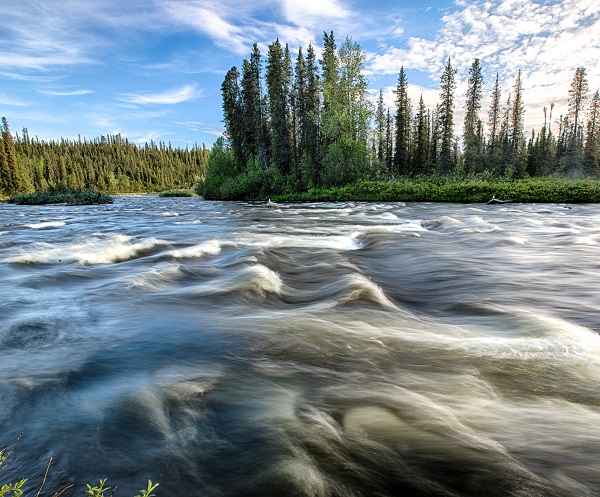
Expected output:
(177, 193)
(68, 196)
(431, 189)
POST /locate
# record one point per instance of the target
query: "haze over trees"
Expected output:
(316, 126)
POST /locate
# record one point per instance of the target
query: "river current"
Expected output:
(230, 349)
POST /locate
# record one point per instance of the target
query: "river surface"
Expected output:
(230, 349)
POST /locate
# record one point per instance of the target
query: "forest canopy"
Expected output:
(295, 125)
(109, 163)
(292, 126)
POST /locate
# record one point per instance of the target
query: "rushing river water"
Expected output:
(229, 349)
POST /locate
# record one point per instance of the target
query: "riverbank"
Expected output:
(546, 190)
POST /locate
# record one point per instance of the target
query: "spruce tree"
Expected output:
(255, 123)
(517, 130)
(494, 125)
(233, 117)
(277, 80)
(445, 161)
(591, 152)
(9, 171)
(403, 119)
(420, 157)
(298, 107)
(577, 98)
(380, 130)
(312, 116)
(472, 139)
(389, 141)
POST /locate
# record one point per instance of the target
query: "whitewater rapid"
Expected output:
(230, 349)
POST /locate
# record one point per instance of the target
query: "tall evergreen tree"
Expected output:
(472, 138)
(255, 123)
(4, 173)
(517, 129)
(577, 98)
(389, 141)
(420, 157)
(494, 125)
(403, 119)
(233, 117)
(591, 153)
(298, 107)
(380, 129)
(277, 87)
(313, 104)
(9, 177)
(446, 119)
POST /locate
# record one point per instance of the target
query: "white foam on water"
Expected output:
(358, 287)
(170, 214)
(45, 224)
(97, 249)
(210, 247)
(586, 240)
(532, 221)
(340, 242)
(515, 240)
(159, 277)
(254, 280)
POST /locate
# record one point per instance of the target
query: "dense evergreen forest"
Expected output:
(291, 127)
(109, 163)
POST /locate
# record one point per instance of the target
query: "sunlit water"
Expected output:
(229, 349)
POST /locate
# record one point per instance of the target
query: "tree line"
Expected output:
(289, 127)
(109, 163)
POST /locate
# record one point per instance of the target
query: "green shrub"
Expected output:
(61, 195)
(177, 193)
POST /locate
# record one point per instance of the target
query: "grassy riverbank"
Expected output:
(69, 196)
(435, 189)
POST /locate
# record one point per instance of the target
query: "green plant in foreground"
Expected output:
(98, 491)
(15, 488)
(93, 491)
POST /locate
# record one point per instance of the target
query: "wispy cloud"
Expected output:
(208, 128)
(202, 16)
(546, 40)
(65, 93)
(168, 97)
(6, 100)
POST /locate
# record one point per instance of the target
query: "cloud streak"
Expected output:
(72, 93)
(168, 97)
(546, 40)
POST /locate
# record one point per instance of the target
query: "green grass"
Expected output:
(74, 196)
(436, 189)
(177, 193)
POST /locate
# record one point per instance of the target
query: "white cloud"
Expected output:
(546, 40)
(65, 93)
(6, 100)
(168, 97)
(207, 128)
(313, 12)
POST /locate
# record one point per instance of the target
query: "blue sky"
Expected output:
(152, 69)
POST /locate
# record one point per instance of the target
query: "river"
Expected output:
(230, 349)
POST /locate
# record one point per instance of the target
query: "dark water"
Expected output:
(228, 349)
